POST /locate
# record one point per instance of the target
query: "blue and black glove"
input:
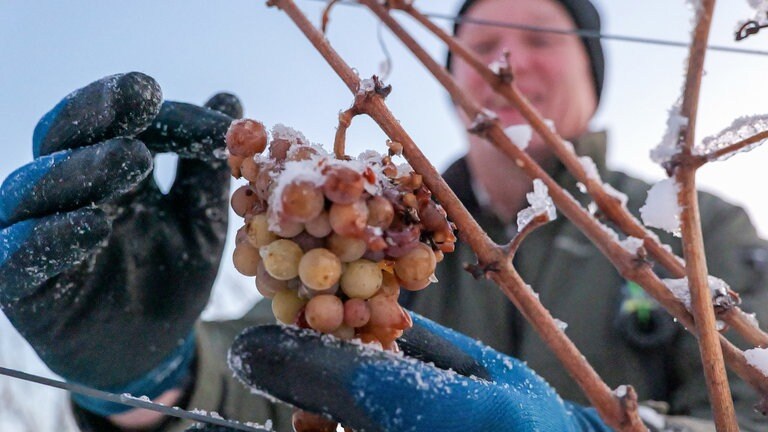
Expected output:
(445, 381)
(102, 273)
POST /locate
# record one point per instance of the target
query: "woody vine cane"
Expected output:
(626, 263)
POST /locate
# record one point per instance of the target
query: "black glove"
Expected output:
(445, 381)
(100, 272)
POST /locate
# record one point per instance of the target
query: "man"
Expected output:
(121, 285)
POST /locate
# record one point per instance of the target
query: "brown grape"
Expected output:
(246, 259)
(343, 185)
(300, 153)
(416, 285)
(304, 421)
(264, 183)
(278, 149)
(386, 312)
(244, 200)
(348, 249)
(234, 163)
(349, 219)
(402, 241)
(281, 259)
(307, 241)
(286, 306)
(380, 212)
(288, 229)
(320, 226)
(250, 169)
(361, 279)
(319, 269)
(266, 284)
(416, 265)
(301, 201)
(356, 312)
(258, 231)
(246, 137)
(389, 285)
(325, 313)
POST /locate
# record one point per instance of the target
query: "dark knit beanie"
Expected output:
(585, 17)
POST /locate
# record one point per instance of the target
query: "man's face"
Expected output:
(551, 70)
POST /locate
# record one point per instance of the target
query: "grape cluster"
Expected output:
(333, 241)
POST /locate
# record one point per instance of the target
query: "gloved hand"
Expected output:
(445, 381)
(100, 272)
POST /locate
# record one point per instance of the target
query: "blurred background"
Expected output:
(195, 49)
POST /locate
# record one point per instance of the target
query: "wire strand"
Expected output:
(579, 32)
(132, 401)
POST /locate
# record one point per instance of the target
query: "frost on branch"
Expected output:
(758, 357)
(661, 209)
(520, 135)
(540, 204)
(740, 129)
(670, 145)
(717, 287)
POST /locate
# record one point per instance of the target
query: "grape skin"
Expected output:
(416, 265)
(348, 249)
(281, 259)
(301, 202)
(361, 279)
(319, 269)
(258, 231)
(325, 313)
(286, 306)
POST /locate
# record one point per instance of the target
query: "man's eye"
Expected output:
(540, 40)
(484, 47)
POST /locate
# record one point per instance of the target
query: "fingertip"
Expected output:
(116, 105)
(226, 103)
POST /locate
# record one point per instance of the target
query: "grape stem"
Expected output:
(606, 203)
(514, 244)
(345, 120)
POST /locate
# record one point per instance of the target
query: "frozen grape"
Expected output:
(301, 201)
(263, 183)
(281, 259)
(320, 226)
(266, 284)
(250, 169)
(288, 229)
(386, 312)
(349, 219)
(278, 149)
(343, 185)
(356, 312)
(344, 332)
(246, 137)
(304, 421)
(361, 279)
(307, 242)
(416, 265)
(258, 231)
(380, 212)
(389, 285)
(234, 163)
(348, 249)
(286, 306)
(244, 200)
(246, 259)
(416, 285)
(319, 269)
(300, 153)
(325, 313)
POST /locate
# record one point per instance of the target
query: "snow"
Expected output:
(561, 325)
(520, 135)
(631, 244)
(668, 147)
(679, 287)
(281, 131)
(758, 357)
(661, 209)
(740, 129)
(540, 203)
(620, 196)
(590, 169)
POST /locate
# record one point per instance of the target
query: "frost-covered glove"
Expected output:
(102, 273)
(445, 381)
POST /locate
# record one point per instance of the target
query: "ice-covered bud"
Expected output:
(669, 145)
(540, 204)
(661, 209)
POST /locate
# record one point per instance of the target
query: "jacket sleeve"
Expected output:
(737, 255)
(213, 387)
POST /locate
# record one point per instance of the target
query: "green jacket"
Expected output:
(574, 281)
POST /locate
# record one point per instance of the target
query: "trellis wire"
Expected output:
(130, 401)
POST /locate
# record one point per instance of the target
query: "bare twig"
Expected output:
(515, 243)
(693, 240)
(733, 148)
(607, 204)
(612, 410)
(327, 15)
